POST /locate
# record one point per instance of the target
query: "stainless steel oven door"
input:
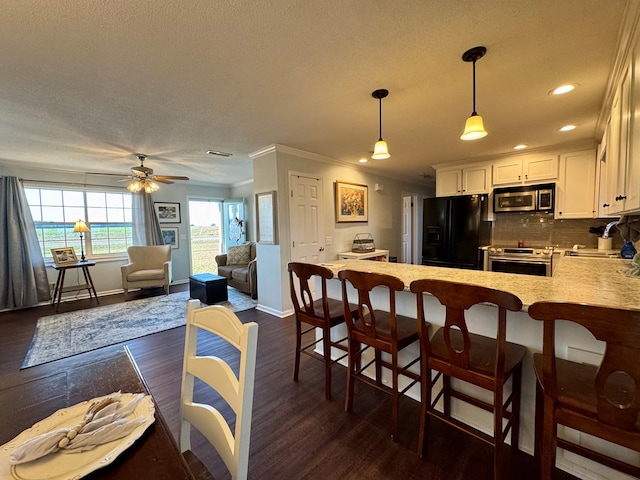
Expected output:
(522, 266)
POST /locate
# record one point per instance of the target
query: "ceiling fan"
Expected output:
(143, 178)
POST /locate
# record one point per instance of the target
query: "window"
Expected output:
(106, 213)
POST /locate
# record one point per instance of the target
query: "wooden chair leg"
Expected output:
(446, 389)
(425, 405)
(395, 397)
(296, 366)
(516, 384)
(539, 421)
(549, 441)
(326, 346)
(352, 362)
(378, 362)
(498, 436)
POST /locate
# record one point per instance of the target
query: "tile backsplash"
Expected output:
(541, 229)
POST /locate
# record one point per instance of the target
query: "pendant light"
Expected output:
(474, 127)
(380, 150)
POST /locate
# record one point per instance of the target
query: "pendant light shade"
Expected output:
(474, 126)
(380, 150)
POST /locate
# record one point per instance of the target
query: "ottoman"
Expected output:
(208, 288)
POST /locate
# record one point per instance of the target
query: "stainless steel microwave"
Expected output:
(531, 198)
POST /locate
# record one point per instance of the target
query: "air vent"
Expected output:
(219, 153)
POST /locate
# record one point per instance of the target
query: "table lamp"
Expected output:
(81, 227)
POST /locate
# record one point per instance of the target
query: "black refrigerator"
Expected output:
(453, 230)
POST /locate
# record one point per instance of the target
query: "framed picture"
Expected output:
(64, 255)
(352, 202)
(170, 236)
(266, 215)
(167, 212)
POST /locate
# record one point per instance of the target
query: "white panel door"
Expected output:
(407, 228)
(306, 214)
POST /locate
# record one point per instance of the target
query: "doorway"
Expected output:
(409, 240)
(306, 218)
(205, 234)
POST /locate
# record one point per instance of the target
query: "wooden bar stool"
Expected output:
(384, 332)
(486, 362)
(601, 401)
(323, 313)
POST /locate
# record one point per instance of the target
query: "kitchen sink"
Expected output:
(591, 253)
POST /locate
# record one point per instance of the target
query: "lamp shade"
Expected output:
(80, 227)
(473, 128)
(380, 150)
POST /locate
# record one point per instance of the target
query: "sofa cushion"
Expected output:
(226, 270)
(142, 275)
(241, 274)
(239, 255)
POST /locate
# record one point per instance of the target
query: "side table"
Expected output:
(60, 288)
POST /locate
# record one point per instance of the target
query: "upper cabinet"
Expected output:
(620, 183)
(517, 171)
(470, 180)
(575, 195)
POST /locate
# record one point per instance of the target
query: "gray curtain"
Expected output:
(23, 275)
(146, 228)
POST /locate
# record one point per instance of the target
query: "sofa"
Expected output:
(238, 266)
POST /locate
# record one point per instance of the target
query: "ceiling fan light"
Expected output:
(135, 186)
(151, 186)
(380, 150)
(473, 128)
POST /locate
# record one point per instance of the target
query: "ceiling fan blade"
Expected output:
(170, 177)
(162, 180)
(109, 174)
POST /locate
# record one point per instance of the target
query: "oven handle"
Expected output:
(519, 260)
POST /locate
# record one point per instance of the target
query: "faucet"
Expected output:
(608, 227)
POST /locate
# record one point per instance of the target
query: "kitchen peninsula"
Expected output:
(599, 281)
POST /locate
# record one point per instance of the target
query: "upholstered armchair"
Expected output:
(149, 266)
(239, 267)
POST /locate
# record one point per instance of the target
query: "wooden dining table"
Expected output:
(32, 394)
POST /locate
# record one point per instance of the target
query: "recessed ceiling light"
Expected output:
(363, 160)
(567, 128)
(522, 146)
(563, 89)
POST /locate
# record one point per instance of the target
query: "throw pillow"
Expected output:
(240, 255)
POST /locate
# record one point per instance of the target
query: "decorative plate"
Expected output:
(72, 466)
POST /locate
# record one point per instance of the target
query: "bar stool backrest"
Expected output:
(301, 297)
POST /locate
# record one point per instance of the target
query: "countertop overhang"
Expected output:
(596, 281)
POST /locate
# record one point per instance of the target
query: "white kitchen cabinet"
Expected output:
(463, 181)
(622, 187)
(575, 188)
(527, 170)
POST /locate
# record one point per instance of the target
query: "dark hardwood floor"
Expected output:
(296, 433)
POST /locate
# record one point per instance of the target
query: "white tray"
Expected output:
(71, 466)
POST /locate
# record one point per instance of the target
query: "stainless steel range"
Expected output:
(524, 260)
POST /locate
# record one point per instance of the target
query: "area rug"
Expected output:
(66, 334)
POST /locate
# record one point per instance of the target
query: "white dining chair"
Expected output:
(236, 390)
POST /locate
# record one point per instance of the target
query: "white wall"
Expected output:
(271, 169)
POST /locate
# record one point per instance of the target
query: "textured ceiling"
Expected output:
(86, 84)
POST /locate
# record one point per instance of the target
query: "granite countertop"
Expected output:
(600, 281)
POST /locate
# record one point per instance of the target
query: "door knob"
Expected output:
(321, 249)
